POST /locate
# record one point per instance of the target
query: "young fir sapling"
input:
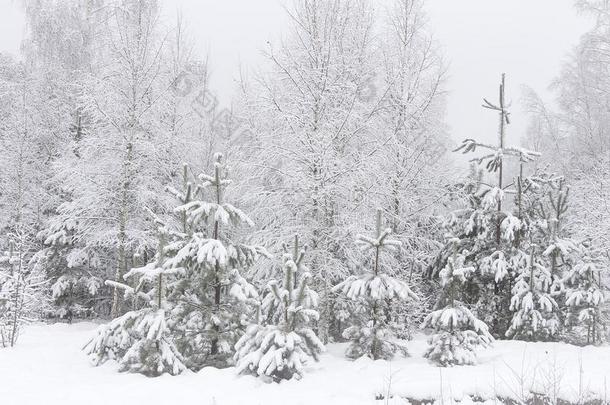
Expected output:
(375, 335)
(284, 342)
(584, 299)
(141, 340)
(543, 254)
(72, 269)
(457, 331)
(532, 303)
(213, 302)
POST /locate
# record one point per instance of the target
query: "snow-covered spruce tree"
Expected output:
(23, 297)
(543, 235)
(71, 270)
(486, 229)
(535, 310)
(140, 340)
(474, 225)
(558, 247)
(548, 213)
(559, 250)
(584, 299)
(211, 300)
(458, 332)
(283, 342)
(375, 288)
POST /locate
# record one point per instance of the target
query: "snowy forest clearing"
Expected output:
(51, 356)
(235, 245)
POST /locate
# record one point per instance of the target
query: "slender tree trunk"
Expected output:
(18, 300)
(217, 286)
(117, 301)
(501, 168)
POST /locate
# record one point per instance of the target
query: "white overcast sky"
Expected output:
(526, 39)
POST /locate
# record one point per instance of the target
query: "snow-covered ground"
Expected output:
(48, 367)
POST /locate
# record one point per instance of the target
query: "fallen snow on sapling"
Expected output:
(375, 335)
(282, 344)
(458, 333)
